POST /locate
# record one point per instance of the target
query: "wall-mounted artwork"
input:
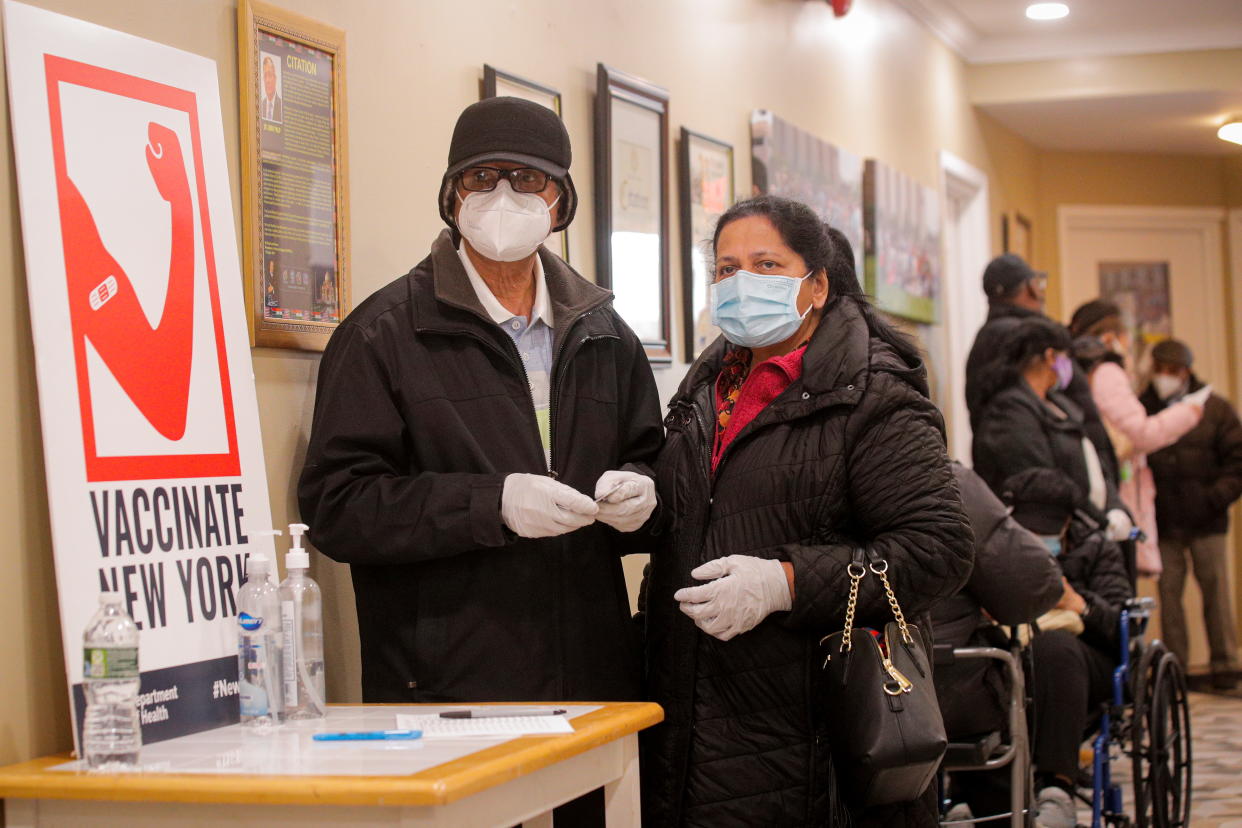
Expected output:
(631, 204)
(902, 223)
(791, 162)
(503, 84)
(706, 174)
(1141, 291)
(1016, 235)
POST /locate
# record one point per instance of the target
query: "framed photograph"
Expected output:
(901, 220)
(1016, 235)
(497, 83)
(631, 204)
(705, 170)
(1141, 291)
(295, 203)
(791, 162)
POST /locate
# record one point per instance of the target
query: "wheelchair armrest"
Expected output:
(1144, 603)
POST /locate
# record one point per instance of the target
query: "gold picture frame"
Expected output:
(295, 182)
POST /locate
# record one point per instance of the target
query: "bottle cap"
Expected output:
(110, 598)
(297, 557)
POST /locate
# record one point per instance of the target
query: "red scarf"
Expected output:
(741, 393)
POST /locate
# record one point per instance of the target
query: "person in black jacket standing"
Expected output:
(468, 416)
(1197, 479)
(1072, 664)
(801, 434)
(1016, 292)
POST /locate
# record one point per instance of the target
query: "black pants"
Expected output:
(1071, 678)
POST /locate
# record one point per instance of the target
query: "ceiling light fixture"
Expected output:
(1047, 11)
(1231, 131)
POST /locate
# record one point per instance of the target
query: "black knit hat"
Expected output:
(1091, 314)
(1005, 274)
(1173, 352)
(1042, 499)
(510, 129)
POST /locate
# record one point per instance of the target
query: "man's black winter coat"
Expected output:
(422, 411)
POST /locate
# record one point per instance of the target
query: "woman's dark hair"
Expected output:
(1025, 340)
(822, 248)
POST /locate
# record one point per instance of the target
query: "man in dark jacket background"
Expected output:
(1197, 479)
(1016, 292)
(468, 417)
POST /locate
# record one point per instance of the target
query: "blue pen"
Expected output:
(367, 735)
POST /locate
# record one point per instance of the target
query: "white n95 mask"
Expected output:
(754, 310)
(503, 225)
(1167, 385)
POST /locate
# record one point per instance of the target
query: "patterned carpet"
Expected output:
(1217, 775)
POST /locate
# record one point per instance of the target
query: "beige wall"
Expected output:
(876, 83)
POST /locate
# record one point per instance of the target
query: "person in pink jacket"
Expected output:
(1101, 344)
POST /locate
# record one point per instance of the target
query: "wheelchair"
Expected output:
(1146, 723)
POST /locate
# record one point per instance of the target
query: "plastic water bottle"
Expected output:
(301, 609)
(111, 732)
(259, 646)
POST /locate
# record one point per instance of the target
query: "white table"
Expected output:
(232, 777)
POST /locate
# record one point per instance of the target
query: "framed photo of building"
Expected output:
(631, 204)
(295, 184)
(901, 219)
(705, 171)
(1016, 235)
(497, 83)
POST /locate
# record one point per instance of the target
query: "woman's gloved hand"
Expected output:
(626, 499)
(1119, 525)
(743, 591)
(534, 506)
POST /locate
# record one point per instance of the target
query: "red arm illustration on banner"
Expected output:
(152, 365)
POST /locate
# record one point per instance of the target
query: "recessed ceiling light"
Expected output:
(1231, 131)
(1047, 11)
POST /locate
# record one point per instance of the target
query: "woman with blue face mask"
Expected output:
(1027, 421)
(803, 432)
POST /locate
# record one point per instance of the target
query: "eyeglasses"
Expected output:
(522, 180)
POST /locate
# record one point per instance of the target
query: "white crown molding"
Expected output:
(947, 25)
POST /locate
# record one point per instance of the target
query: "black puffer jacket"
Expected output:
(422, 410)
(1096, 569)
(1200, 476)
(1015, 580)
(985, 370)
(1018, 432)
(851, 453)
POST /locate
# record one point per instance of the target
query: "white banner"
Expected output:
(150, 426)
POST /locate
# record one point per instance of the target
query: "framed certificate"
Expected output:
(496, 84)
(631, 204)
(295, 209)
(705, 169)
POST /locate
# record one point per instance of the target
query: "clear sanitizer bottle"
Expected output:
(111, 732)
(260, 642)
(301, 607)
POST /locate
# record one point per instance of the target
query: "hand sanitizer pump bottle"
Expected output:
(260, 642)
(301, 607)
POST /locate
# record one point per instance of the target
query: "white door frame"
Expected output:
(967, 251)
(1235, 269)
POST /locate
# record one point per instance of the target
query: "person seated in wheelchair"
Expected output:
(1077, 645)
(1014, 581)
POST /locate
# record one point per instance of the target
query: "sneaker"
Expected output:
(1055, 809)
(1224, 681)
(959, 812)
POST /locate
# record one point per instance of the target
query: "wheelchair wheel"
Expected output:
(1161, 743)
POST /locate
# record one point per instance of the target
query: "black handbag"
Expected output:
(880, 708)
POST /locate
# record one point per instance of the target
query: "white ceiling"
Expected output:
(997, 31)
(993, 31)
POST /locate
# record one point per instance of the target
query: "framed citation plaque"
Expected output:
(295, 216)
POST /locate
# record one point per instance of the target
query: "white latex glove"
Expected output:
(746, 591)
(1199, 397)
(1119, 525)
(534, 506)
(625, 499)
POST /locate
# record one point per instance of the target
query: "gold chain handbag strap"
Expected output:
(880, 568)
(856, 571)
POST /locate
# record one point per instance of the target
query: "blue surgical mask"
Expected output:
(1053, 543)
(754, 310)
(1064, 370)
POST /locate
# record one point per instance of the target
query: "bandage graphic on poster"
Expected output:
(150, 426)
